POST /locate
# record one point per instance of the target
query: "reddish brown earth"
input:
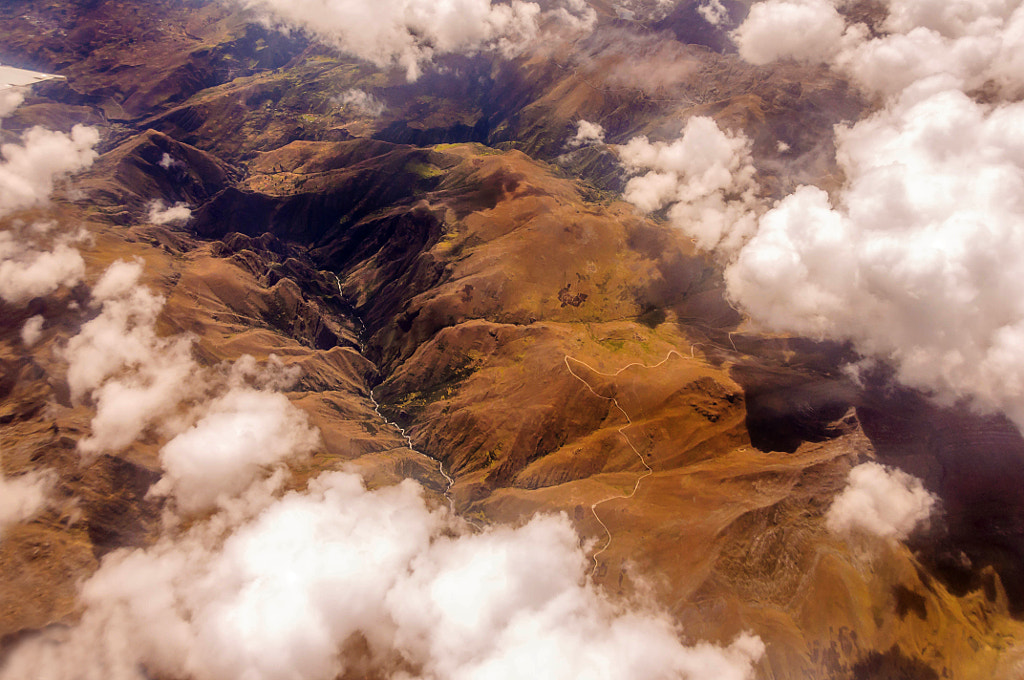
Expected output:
(532, 332)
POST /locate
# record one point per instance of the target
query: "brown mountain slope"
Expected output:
(508, 374)
(553, 349)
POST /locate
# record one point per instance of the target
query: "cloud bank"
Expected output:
(917, 258)
(879, 501)
(968, 43)
(410, 33)
(339, 579)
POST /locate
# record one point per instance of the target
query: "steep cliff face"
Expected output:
(447, 265)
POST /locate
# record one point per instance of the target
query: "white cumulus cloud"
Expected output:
(809, 30)
(880, 501)
(239, 433)
(225, 425)
(587, 134)
(971, 42)
(705, 175)
(32, 330)
(34, 263)
(30, 169)
(133, 376)
(917, 258)
(33, 273)
(161, 213)
(713, 12)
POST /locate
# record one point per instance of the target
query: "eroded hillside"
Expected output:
(470, 305)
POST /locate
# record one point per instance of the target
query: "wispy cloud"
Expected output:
(23, 496)
(361, 102)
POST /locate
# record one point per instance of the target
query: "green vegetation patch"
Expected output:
(424, 170)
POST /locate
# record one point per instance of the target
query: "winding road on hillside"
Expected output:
(648, 470)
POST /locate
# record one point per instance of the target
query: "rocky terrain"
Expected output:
(439, 260)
